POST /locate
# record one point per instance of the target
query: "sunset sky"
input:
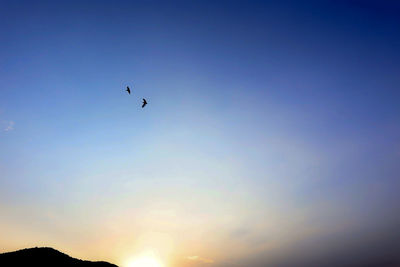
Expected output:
(271, 135)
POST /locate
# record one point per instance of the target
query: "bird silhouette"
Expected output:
(128, 90)
(144, 103)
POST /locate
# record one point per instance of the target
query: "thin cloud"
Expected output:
(9, 126)
(199, 259)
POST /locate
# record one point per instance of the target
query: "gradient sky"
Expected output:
(271, 137)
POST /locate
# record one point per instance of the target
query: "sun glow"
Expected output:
(145, 261)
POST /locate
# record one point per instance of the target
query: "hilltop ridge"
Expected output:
(46, 256)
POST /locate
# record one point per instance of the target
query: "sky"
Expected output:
(271, 135)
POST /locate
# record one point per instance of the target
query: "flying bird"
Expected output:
(128, 90)
(144, 103)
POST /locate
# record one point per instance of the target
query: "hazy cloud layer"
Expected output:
(199, 259)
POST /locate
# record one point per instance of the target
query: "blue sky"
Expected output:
(271, 125)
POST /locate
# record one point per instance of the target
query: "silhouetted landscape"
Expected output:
(45, 257)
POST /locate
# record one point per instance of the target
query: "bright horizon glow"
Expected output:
(145, 260)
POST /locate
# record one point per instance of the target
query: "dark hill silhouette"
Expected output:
(45, 257)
